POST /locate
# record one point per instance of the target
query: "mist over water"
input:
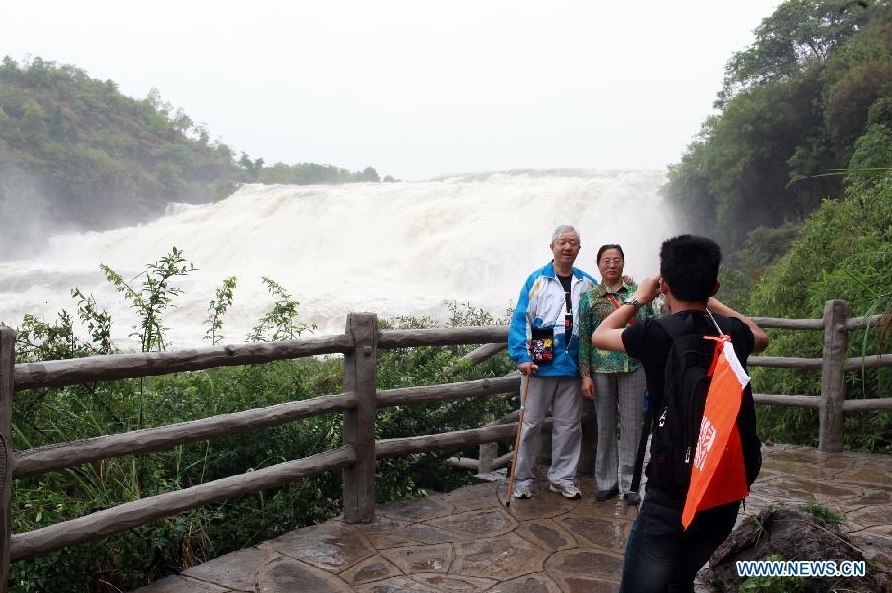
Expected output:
(388, 248)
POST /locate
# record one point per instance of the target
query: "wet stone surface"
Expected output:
(286, 575)
(373, 569)
(598, 531)
(586, 564)
(468, 541)
(546, 534)
(332, 546)
(476, 524)
(503, 557)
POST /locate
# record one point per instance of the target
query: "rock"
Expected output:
(790, 534)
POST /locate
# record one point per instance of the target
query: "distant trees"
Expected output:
(76, 154)
(306, 173)
(99, 158)
(794, 106)
(794, 178)
(799, 33)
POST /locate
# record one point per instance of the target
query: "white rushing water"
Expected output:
(389, 248)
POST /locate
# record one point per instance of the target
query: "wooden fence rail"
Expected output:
(359, 404)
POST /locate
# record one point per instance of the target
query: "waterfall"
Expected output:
(389, 248)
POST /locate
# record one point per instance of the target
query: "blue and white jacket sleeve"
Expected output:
(519, 330)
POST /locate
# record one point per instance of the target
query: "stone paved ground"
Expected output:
(467, 541)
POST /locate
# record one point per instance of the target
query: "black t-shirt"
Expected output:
(648, 342)
(566, 283)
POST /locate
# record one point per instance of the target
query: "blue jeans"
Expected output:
(660, 556)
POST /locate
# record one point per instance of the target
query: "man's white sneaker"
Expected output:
(566, 490)
(522, 492)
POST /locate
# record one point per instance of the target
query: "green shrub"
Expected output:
(844, 251)
(138, 556)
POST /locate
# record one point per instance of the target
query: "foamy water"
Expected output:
(389, 248)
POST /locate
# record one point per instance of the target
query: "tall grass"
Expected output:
(141, 555)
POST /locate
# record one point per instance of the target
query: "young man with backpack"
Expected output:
(662, 555)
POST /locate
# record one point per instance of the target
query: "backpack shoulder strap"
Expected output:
(674, 326)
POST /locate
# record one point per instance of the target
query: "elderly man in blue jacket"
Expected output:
(543, 341)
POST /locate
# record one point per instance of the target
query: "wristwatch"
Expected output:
(634, 302)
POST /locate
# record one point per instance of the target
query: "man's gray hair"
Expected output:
(565, 228)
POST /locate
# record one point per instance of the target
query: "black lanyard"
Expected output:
(568, 318)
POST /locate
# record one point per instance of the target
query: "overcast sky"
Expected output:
(414, 88)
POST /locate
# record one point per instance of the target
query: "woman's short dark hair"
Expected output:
(605, 248)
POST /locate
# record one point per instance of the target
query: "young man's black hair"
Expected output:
(691, 266)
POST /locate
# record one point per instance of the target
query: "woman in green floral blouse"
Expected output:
(615, 381)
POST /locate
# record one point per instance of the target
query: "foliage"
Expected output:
(763, 247)
(844, 251)
(39, 340)
(141, 555)
(310, 173)
(154, 550)
(154, 296)
(77, 154)
(98, 322)
(425, 365)
(794, 109)
(217, 308)
(280, 322)
(799, 33)
(829, 516)
(739, 176)
(82, 155)
(872, 155)
(799, 160)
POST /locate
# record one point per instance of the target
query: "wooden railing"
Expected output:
(831, 402)
(359, 403)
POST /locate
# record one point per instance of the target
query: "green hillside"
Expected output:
(76, 154)
(794, 177)
(799, 111)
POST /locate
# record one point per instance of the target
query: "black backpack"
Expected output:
(676, 426)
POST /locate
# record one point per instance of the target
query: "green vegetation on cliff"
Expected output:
(795, 111)
(844, 251)
(792, 176)
(76, 154)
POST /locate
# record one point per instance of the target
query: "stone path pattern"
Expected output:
(467, 541)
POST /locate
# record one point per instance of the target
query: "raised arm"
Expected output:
(609, 335)
(760, 338)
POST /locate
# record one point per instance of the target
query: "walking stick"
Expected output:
(523, 403)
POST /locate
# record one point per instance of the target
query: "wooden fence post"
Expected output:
(486, 457)
(7, 376)
(360, 377)
(833, 387)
